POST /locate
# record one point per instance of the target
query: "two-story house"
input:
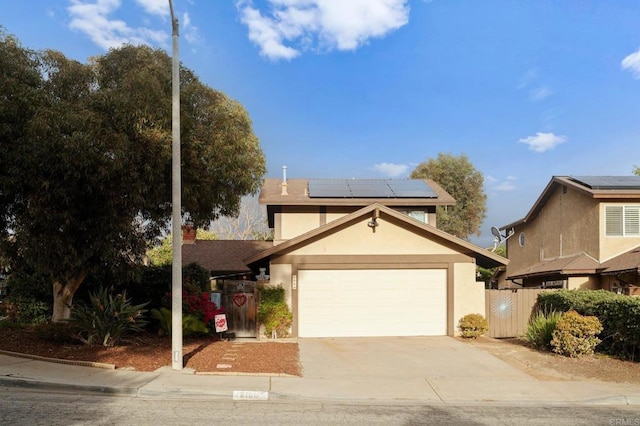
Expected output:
(364, 257)
(583, 232)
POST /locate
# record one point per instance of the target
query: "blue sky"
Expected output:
(371, 88)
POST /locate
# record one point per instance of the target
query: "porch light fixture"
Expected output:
(373, 223)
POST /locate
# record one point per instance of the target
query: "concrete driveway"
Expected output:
(400, 357)
(430, 369)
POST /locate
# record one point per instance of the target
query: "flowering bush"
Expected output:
(575, 335)
(473, 326)
(196, 305)
(199, 305)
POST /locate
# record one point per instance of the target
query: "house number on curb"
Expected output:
(250, 395)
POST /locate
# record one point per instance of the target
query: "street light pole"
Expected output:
(176, 206)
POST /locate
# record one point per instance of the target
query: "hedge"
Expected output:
(618, 314)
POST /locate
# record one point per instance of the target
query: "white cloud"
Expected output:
(530, 81)
(506, 185)
(632, 64)
(93, 19)
(542, 142)
(155, 7)
(292, 26)
(391, 169)
(540, 93)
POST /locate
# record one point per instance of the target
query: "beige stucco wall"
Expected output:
(583, 283)
(360, 239)
(613, 246)
(567, 224)
(468, 294)
(294, 223)
(296, 220)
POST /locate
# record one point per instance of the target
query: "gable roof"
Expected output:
(578, 264)
(596, 187)
(223, 256)
(483, 257)
(298, 194)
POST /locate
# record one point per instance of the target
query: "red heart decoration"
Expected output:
(239, 299)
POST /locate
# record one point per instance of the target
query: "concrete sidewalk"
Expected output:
(440, 371)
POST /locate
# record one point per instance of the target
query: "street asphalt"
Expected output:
(430, 370)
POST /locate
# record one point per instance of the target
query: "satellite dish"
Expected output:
(496, 233)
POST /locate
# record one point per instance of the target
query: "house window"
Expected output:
(554, 284)
(622, 221)
(418, 214)
(521, 239)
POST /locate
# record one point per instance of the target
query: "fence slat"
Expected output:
(508, 311)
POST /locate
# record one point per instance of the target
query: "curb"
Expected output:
(241, 373)
(60, 361)
(67, 387)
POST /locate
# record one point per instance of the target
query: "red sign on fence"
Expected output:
(220, 321)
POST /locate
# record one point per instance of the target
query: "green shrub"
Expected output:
(198, 276)
(271, 294)
(190, 324)
(473, 326)
(581, 301)
(276, 318)
(620, 319)
(25, 311)
(274, 313)
(153, 286)
(107, 317)
(541, 327)
(618, 314)
(575, 335)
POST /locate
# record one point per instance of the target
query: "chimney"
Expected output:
(188, 233)
(284, 181)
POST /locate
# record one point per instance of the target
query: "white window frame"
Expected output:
(622, 221)
(416, 212)
(420, 215)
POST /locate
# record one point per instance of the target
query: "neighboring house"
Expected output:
(363, 257)
(583, 232)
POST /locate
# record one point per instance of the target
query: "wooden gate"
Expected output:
(239, 301)
(508, 311)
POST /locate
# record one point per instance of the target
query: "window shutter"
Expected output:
(613, 221)
(632, 221)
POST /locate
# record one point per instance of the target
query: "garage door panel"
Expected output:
(371, 303)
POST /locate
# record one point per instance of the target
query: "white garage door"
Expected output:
(351, 303)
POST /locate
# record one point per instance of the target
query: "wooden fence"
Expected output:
(508, 311)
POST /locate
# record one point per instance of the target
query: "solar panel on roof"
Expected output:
(608, 182)
(411, 188)
(370, 188)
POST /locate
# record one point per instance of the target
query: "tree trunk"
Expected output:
(63, 297)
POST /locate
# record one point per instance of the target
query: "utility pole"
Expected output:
(176, 206)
